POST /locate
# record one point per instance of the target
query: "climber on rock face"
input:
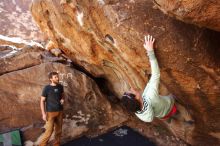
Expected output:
(150, 104)
(53, 99)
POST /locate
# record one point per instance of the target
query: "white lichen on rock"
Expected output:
(79, 17)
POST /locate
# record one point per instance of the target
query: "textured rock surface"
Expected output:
(16, 54)
(105, 38)
(17, 42)
(86, 109)
(23, 75)
(19, 60)
(16, 20)
(200, 12)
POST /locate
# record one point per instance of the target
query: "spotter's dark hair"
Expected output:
(51, 74)
(130, 103)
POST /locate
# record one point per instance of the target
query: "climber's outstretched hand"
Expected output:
(149, 42)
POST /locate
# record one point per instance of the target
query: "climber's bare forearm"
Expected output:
(148, 45)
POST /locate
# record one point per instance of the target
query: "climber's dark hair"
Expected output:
(131, 104)
(51, 74)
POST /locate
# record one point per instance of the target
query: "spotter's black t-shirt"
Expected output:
(53, 96)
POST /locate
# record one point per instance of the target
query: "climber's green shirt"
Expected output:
(155, 105)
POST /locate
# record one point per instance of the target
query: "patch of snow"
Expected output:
(13, 51)
(121, 132)
(10, 54)
(33, 43)
(79, 17)
(12, 47)
(19, 40)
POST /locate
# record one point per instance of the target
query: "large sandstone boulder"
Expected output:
(86, 109)
(200, 12)
(105, 38)
(23, 75)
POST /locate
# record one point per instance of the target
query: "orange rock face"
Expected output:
(105, 38)
(199, 12)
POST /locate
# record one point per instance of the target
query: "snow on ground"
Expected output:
(9, 54)
(20, 41)
(11, 50)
